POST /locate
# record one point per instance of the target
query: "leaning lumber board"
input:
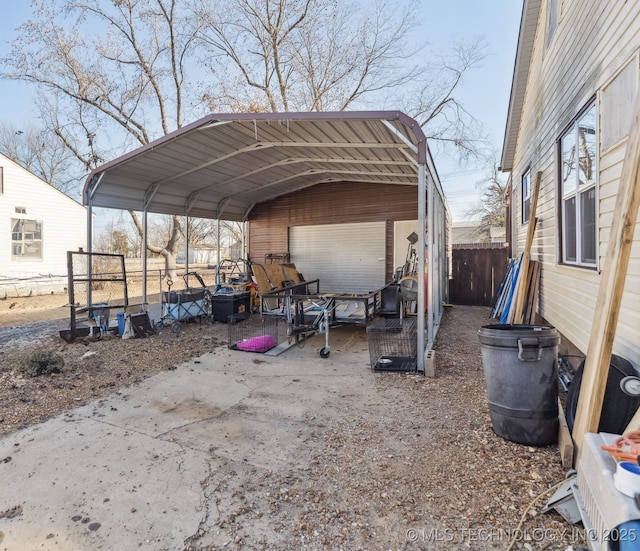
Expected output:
(262, 278)
(276, 274)
(532, 295)
(634, 424)
(521, 289)
(565, 442)
(609, 299)
(291, 273)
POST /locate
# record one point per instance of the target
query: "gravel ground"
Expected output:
(419, 468)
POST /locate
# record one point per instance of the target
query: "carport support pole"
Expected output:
(186, 244)
(422, 196)
(218, 243)
(431, 237)
(89, 250)
(91, 189)
(144, 258)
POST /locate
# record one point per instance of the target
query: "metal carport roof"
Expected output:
(222, 165)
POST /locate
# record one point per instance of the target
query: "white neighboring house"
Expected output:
(39, 224)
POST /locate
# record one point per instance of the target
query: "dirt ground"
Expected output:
(423, 462)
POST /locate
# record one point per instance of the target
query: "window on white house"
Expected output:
(526, 196)
(26, 239)
(577, 152)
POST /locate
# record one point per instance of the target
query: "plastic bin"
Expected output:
(520, 368)
(225, 305)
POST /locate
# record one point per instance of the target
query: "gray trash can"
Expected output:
(520, 368)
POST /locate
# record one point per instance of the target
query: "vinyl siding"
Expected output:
(64, 223)
(592, 42)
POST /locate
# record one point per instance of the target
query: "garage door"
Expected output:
(346, 258)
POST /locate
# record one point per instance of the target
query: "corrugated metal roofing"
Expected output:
(224, 164)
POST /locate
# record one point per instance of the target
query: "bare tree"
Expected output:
(307, 55)
(490, 212)
(40, 153)
(114, 75)
(126, 82)
(434, 101)
(320, 55)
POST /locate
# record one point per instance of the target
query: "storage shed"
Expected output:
(332, 190)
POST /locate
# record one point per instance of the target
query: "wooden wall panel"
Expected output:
(389, 267)
(334, 203)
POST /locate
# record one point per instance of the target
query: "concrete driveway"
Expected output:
(136, 470)
(239, 451)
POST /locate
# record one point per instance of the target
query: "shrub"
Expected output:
(43, 362)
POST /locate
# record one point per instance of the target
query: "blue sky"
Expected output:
(485, 92)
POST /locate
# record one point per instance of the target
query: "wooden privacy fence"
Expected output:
(476, 275)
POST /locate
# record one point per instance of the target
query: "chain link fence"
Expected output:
(101, 278)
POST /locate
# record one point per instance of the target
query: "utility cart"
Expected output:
(185, 305)
(307, 311)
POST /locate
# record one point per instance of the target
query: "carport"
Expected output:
(223, 165)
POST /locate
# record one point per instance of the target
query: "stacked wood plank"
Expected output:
(273, 276)
(515, 281)
(519, 304)
(532, 290)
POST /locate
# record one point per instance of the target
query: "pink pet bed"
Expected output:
(257, 344)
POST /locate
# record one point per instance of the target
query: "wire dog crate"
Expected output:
(393, 344)
(254, 333)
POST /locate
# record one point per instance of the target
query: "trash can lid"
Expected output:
(508, 334)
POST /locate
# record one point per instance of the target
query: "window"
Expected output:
(26, 239)
(577, 152)
(21, 210)
(526, 196)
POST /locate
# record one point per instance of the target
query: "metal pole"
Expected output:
(144, 258)
(421, 252)
(218, 242)
(243, 254)
(89, 250)
(186, 244)
(430, 278)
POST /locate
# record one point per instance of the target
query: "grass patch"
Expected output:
(43, 362)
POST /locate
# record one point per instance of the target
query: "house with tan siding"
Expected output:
(573, 93)
(39, 224)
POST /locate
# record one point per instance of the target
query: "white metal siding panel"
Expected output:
(346, 258)
(64, 223)
(592, 42)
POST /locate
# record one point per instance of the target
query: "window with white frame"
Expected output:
(526, 196)
(578, 175)
(26, 239)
